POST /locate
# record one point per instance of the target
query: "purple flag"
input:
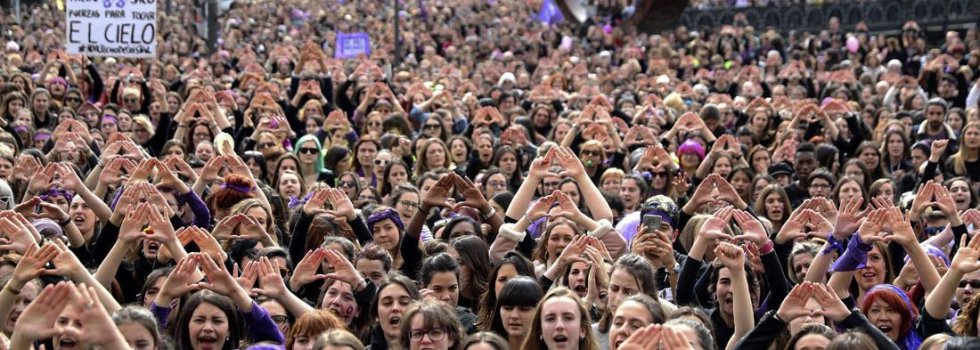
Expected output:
(349, 45)
(549, 13)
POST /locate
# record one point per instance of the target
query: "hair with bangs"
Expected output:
(311, 325)
(521, 264)
(909, 312)
(435, 314)
(520, 291)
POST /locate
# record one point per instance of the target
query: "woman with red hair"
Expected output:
(890, 310)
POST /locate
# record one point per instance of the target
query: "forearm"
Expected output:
(101, 209)
(75, 238)
(522, 199)
(817, 272)
(938, 302)
(108, 301)
(927, 271)
(107, 270)
(92, 180)
(570, 136)
(742, 306)
(593, 198)
(7, 299)
(294, 305)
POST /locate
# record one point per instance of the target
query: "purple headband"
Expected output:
(239, 188)
(389, 214)
(932, 250)
(57, 192)
(58, 80)
(110, 117)
(20, 128)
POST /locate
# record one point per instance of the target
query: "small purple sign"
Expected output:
(350, 45)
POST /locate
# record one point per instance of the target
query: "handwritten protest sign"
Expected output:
(350, 45)
(117, 28)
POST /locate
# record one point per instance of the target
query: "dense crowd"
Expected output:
(502, 184)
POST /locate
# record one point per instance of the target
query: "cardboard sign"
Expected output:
(116, 28)
(350, 45)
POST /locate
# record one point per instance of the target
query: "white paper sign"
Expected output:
(116, 28)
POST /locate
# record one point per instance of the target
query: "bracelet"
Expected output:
(65, 222)
(492, 212)
(11, 289)
(766, 248)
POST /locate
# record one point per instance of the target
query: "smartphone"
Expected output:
(651, 221)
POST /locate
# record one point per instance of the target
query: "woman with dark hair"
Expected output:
(510, 162)
(430, 324)
(828, 157)
(512, 314)
(395, 295)
(630, 275)
(773, 205)
(362, 162)
(474, 269)
(396, 173)
(212, 318)
(335, 161)
(513, 264)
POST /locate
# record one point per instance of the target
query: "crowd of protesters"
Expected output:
(501, 184)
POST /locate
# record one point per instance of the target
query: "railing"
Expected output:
(883, 15)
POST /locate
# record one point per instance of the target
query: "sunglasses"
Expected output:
(972, 283)
(306, 150)
(73, 99)
(380, 162)
(346, 184)
(589, 152)
(662, 174)
(374, 124)
(265, 145)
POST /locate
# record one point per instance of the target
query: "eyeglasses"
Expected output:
(589, 152)
(662, 174)
(346, 184)
(280, 319)
(73, 99)
(434, 334)
(307, 150)
(265, 145)
(431, 126)
(972, 283)
(380, 162)
(497, 184)
(409, 204)
(819, 186)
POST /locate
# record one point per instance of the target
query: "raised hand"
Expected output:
(752, 229)
(967, 258)
(438, 194)
(270, 281)
(18, 233)
(901, 227)
(714, 228)
(541, 165)
(795, 303)
(849, 217)
(181, 281)
(472, 196)
(306, 271)
(97, 328)
(342, 206)
(343, 269)
(831, 305)
(868, 232)
(31, 265)
(316, 204)
(730, 255)
(219, 280)
(38, 319)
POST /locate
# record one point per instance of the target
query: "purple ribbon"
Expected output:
(854, 258)
(296, 202)
(239, 188)
(833, 245)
